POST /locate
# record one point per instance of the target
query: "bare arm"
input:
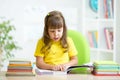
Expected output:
(73, 61)
(62, 67)
(41, 64)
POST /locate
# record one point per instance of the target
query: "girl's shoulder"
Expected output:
(40, 40)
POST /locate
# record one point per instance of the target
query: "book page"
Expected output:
(49, 72)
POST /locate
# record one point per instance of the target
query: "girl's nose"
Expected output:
(56, 33)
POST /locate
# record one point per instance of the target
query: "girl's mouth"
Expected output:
(56, 39)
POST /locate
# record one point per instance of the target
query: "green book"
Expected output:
(107, 67)
(107, 70)
(105, 63)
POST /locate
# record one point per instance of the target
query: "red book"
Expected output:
(109, 37)
(19, 70)
(105, 73)
(105, 9)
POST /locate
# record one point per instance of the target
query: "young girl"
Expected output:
(55, 51)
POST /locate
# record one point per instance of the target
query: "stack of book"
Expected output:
(106, 68)
(20, 67)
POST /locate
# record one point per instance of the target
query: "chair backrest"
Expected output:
(82, 46)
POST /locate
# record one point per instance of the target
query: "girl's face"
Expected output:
(55, 34)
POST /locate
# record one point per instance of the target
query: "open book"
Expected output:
(68, 70)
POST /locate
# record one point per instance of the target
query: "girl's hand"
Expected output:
(59, 68)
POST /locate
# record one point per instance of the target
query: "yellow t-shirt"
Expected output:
(56, 55)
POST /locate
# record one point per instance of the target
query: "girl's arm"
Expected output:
(62, 67)
(41, 64)
(73, 61)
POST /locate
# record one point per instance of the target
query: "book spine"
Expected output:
(20, 64)
(96, 73)
(19, 70)
(110, 8)
(94, 39)
(105, 9)
(90, 39)
(107, 38)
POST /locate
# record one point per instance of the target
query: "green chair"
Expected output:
(82, 47)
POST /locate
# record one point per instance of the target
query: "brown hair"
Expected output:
(54, 20)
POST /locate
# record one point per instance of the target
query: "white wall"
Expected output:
(28, 17)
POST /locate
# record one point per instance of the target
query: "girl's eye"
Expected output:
(59, 30)
(52, 31)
